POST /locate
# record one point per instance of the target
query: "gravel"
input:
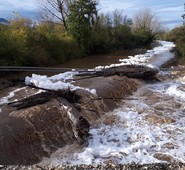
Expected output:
(158, 166)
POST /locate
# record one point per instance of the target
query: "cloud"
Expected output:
(19, 4)
(111, 5)
(168, 12)
(26, 8)
(164, 9)
(173, 21)
(171, 9)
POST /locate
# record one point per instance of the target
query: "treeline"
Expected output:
(23, 43)
(82, 32)
(177, 35)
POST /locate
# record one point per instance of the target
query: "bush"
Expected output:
(141, 38)
(121, 37)
(13, 46)
(177, 35)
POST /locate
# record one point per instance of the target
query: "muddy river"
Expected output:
(149, 129)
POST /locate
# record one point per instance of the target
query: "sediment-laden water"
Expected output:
(149, 129)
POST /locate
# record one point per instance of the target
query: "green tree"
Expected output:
(54, 45)
(120, 19)
(81, 21)
(121, 31)
(24, 44)
(121, 37)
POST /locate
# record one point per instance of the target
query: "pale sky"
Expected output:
(167, 11)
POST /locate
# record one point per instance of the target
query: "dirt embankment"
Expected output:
(27, 134)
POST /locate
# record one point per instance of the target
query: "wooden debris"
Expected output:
(131, 71)
(33, 100)
(43, 97)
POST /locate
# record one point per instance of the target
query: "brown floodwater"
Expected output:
(101, 60)
(88, 62)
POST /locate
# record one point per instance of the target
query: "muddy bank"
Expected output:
(30, 133)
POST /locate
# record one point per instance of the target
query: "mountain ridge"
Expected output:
(4, 21)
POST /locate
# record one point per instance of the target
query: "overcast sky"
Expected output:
(168, 11)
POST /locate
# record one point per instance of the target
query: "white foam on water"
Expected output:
(62, 81)
(134, 139)
(57, 82)
(174, 89)
(153, 58)
(65, 81)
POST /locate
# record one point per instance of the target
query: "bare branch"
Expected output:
(146, 20)
(59, 9)
(46, 8)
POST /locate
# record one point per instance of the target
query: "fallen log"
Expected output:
(48, 94)
(43, 97)
(131, 71)
(33, 100)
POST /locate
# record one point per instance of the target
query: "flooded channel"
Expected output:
(101, 60)
(149, 129)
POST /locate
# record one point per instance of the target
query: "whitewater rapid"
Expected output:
(147, 130)
(150, 129)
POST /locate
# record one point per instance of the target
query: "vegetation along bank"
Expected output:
(49, 41)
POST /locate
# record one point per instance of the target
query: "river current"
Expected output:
(150, 129)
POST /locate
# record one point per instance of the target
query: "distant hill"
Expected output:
(4, 21)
